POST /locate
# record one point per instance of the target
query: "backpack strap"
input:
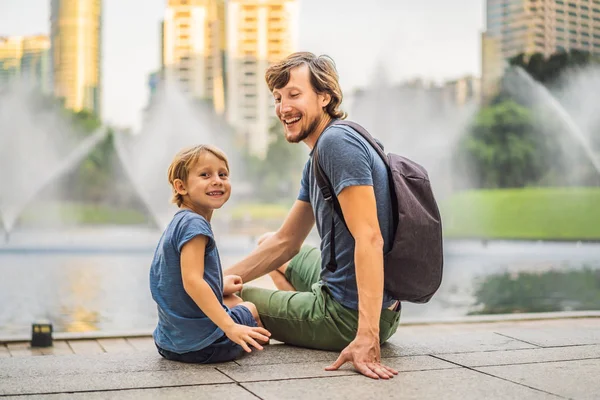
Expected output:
(381, 151)
(330, 197)
(328, 191)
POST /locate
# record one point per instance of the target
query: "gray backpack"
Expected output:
(413, 267)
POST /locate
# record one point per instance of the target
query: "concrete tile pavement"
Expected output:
(547, 359)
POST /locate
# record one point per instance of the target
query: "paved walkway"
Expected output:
(543, 359)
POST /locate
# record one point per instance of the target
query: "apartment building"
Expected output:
(36, 69)
(462, 91)
(11, 52)
(26, 59)
(193, 48)
(535, 26)
(259, 32)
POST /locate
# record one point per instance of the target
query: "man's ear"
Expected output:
(179, 187)
(325, 99)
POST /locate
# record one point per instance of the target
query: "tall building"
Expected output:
(259, 32)
(492, 65)
(192, 51)
(26, 59)
(35, 64)
(536, 26)
(11, 52)
(75, 31)
(462, 91)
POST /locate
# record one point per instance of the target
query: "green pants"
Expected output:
(310, 317)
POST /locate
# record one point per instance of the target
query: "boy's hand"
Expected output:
(244, 335)
(232, 284)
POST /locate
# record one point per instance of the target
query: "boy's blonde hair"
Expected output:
(185, 160)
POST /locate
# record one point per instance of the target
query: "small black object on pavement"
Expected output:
(41, 334)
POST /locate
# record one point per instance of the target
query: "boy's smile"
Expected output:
(216, 193)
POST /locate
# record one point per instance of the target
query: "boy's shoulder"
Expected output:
(189, 220)
(188, 215)
(185, 225)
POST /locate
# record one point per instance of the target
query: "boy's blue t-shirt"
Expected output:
(347, 160)
(182, 326)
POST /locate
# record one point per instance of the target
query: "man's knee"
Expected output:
(280, 280)
(281, 269)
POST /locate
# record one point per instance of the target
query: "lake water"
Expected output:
(96, 279)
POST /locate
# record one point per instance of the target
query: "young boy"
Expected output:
(195, 323)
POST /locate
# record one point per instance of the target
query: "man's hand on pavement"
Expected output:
(365, 354)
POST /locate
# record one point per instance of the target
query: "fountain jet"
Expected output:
(518, 75)
(37, 145)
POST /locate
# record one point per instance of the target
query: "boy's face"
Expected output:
(298, 106)
(208, 186)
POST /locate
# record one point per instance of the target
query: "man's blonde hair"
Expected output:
(185, 160)
(323, 78)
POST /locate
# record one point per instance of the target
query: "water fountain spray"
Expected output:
(518, 75)
(37, 145)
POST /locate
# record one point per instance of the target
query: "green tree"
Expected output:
(570, 165)
(94, 177)
(547, 70)
(277, 176)
(85, 121)
(502, 149)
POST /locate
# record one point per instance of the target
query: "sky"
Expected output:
(431, 39)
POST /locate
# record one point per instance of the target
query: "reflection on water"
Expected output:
(82, 285)
(78, 319)
(74, 291)
(97, 280)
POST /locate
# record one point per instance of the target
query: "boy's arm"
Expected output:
(192, 274)
(280, 247)
(360, 213)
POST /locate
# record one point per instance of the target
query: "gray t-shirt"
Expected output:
(348, 160)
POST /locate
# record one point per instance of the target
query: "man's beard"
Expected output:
(303, 133)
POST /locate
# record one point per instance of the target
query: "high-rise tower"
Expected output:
(76, 27)
(259, 32)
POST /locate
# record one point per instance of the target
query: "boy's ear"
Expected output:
(179, 187)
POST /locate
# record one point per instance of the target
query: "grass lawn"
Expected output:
(258, 211)
(531, 213)
(52, 213)
(79, 213)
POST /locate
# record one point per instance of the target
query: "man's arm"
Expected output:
(279, 248)
(360, 212)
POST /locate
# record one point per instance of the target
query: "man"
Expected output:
(346, 309)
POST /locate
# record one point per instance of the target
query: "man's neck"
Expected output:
(311, 140)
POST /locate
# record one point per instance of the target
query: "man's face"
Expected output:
(298, 106)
